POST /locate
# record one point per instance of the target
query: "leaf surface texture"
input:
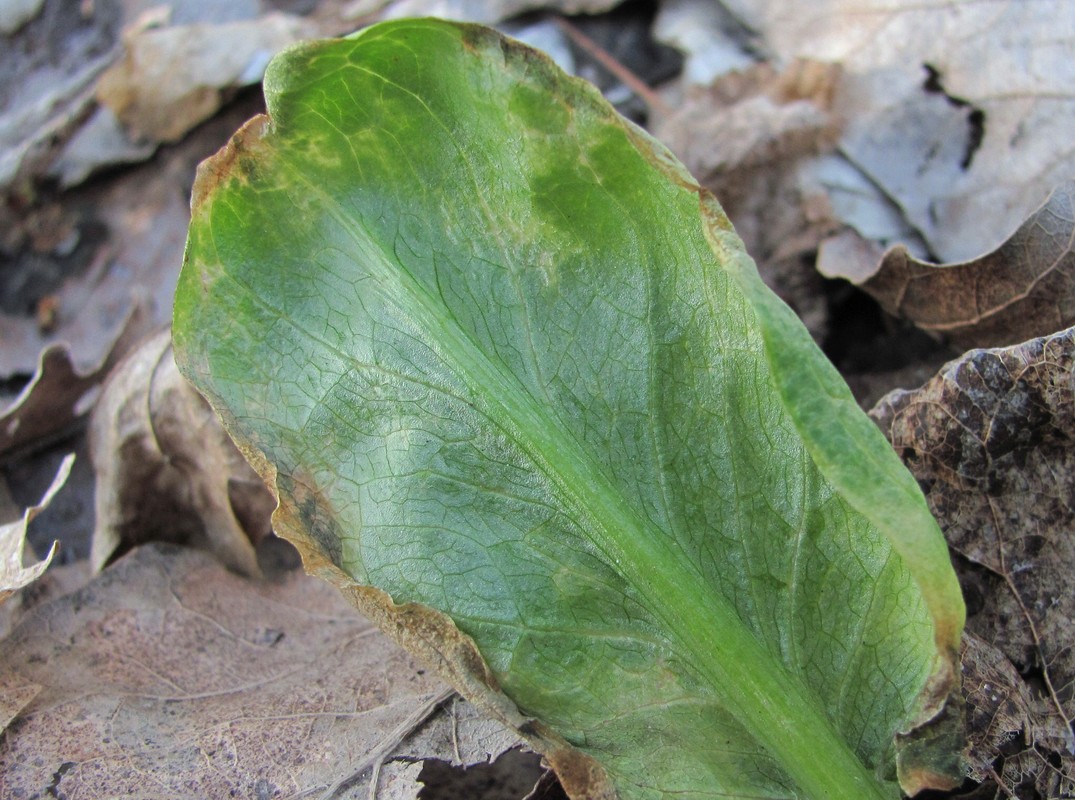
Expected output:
(505, 360)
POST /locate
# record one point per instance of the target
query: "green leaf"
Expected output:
(509, 368)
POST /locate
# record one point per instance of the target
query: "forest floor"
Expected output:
(902, 175)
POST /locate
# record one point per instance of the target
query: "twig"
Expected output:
(656, 105)
(455, 734)
(375, 758)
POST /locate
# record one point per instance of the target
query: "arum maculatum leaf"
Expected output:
(523, 396)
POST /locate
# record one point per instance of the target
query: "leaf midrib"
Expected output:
(723, 652)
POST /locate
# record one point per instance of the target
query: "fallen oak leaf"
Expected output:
(13, 575)
(1023, 289)
(959, 113)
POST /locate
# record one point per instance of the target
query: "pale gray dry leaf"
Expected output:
(168, 676)
(13, 575)
(1023, 289)
(165, 468)
(47, 73)
(145, 212)
(60, 393)
(706, 34)
(959, 112)
(16, 13)
(456, 737)
(992, 441)
(172, 78)
(101, 142)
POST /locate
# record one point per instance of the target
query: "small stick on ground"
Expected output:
(656, 105)
(376, 757)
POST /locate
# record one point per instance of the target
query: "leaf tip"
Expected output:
(581, 776)
(929, 754)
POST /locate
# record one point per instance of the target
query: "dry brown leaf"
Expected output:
(752, 118)
(455, 745)
(1023, 289)
(59, 393)
(167, 676)
(13, 575)
(959, 113)
(1007, 718)
(166, 470)
(15, 695)
(172, 78)
(992, 441)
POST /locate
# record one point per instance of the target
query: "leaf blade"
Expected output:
(536, 369)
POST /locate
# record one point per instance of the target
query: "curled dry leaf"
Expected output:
(60, 392)
(991, 438)
(13, 575)
(167, 676)
(173, 78)
(1023, 289)
(165, 468)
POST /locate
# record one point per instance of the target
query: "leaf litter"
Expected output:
(165, 469)
(990, 440)
(1023, 289)
(831, 191)
(186, 680)
(13, 575)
